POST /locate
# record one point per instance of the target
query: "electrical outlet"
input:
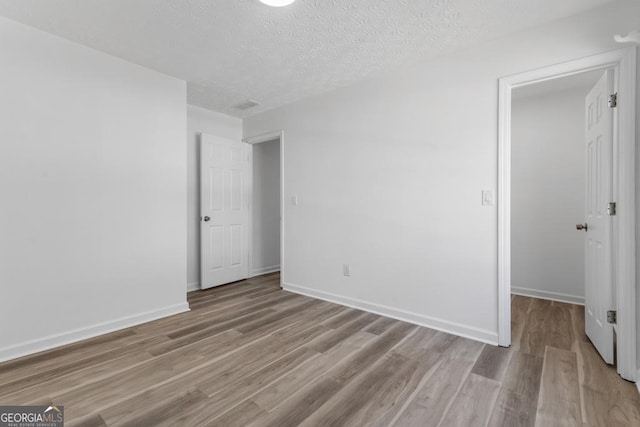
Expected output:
(346, 270)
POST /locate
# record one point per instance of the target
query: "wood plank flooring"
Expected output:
(250, 354)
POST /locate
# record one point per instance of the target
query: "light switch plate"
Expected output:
(294, 200)
(487, 198)
(346, 270)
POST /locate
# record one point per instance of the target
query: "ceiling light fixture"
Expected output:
(277, 3)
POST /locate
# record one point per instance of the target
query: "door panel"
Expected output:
(598, 274)
(224, 211)
(216, 234)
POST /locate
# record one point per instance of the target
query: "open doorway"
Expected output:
(241, 208)
(265, 212)
(267, 249)
(548, 185)
(621, 297)
(561, 172)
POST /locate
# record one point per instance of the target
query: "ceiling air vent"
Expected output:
(246, 105)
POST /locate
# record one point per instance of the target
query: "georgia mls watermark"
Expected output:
(31, 416)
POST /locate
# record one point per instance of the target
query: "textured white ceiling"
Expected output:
(230, 51)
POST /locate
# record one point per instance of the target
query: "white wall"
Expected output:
(92, 178)
(548, 195)
(200, 120)
(389, 174)
(266, 208)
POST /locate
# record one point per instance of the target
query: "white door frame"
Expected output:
(623, 62)
(265, 137)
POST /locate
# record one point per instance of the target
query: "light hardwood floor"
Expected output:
(251, 354)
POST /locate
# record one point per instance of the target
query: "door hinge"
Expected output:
(613, 100)
(612, 316)
(611, 208)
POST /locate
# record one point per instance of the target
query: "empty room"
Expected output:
(310, 212)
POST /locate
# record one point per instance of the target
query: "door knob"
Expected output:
(584, 226)
(206, 219)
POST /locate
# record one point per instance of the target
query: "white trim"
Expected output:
(264, 137)
(504, 214)
(265, 270)
(250, 209)
(57, 340)
(193, 286)
(257, 139)
(477, 334)
(552, 296)
(624, 62)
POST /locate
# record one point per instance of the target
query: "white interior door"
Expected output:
(598, 274)
(224, 217)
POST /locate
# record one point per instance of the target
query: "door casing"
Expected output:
(623, 62)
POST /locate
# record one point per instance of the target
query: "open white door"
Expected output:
(224, 217)
(598, 248)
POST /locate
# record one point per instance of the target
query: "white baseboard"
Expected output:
(265, 270)
(193, 286)
(553, 296)
(57, 340)
(465, 331)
